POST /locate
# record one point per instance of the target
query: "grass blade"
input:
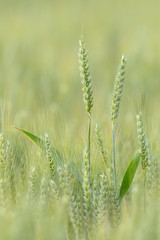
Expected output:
(129, 175)
(39, 142)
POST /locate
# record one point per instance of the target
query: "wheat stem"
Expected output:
(89, 139)
(144, 189)
(114, 157)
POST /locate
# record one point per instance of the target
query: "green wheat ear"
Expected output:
(117, 90)
(85, 77)
(144, 150)
(2, 156)
(100, 143)
(142, 142)
(105, 160)
(87, 193)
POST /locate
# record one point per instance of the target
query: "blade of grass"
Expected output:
(129, 175)
(39, 142)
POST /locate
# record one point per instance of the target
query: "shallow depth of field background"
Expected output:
(40, 88)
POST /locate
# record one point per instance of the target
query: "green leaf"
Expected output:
(40, 143)
(129, 175)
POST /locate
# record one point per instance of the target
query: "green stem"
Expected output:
(114, 159)
(144, 186)
(89, 138)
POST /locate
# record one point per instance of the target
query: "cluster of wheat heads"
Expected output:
(91, 202)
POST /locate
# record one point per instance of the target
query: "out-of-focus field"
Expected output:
(38, 56)
(39, 76)
(40, 88)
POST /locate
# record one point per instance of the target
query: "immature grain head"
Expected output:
(85, 76)
(117, 90)
(32, 191)
(102, 203)
(74, 215)
(2, 156)
(2, 150)
(95, 199)
(54, 191)
(49, 156)
(100, 142)
(43, 192)
(142, 141)
(86, 189)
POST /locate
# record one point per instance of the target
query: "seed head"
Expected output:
(142, 141)
(86, 190)
(85, 76)
(117, 90)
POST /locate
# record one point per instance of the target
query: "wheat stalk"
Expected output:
(143, 148)
(117, 93)
(86, 85)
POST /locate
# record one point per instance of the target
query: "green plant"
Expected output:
(117, 93)
(105, 160)
(91, 200)
(142, 143)
(87, 86)
(86, 191)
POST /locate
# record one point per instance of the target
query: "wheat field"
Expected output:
(79, 120)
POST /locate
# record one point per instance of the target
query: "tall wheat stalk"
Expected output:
(143, 148)
(117, 93)
(86, 86)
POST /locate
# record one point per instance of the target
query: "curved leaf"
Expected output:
(129, 175)
(39, 142)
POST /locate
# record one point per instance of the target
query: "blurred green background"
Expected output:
(40, 88)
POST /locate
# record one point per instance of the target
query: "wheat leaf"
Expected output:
(39, 142)
(129, 175)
